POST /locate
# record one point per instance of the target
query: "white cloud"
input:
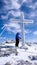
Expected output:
(21, 1)
(2, 37)
(15, 4)
(11, 27)
(33, 14)
(33, 6)
(14, 27)
(10, 4)
(24, 0)
(15, 13)
(4, 17)
(27, 31)
(35, 32)
(28, 2)
(12, 14)
(7, 4)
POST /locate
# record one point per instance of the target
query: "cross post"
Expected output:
(23, 21)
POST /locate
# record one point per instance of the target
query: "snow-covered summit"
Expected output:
(26, 55)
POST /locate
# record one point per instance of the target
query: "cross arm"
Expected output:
(22, 21)
(27, 21)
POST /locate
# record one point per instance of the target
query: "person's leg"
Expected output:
(16, 52)
(16, 46)
(17, 42)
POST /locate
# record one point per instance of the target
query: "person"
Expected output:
(17, 43)
(17, 39)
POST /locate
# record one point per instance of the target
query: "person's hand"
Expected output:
(20, 38)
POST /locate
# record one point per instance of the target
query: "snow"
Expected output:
(23, 55)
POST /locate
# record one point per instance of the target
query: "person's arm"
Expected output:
(19, 37)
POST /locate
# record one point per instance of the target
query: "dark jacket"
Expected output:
(17, 39)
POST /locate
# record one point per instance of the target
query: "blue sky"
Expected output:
(11, 9)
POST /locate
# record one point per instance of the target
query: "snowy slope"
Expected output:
(24, 55)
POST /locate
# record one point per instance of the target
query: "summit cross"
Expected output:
(22, 21)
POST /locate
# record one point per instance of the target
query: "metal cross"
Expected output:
(22, 27)
(22, 21)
